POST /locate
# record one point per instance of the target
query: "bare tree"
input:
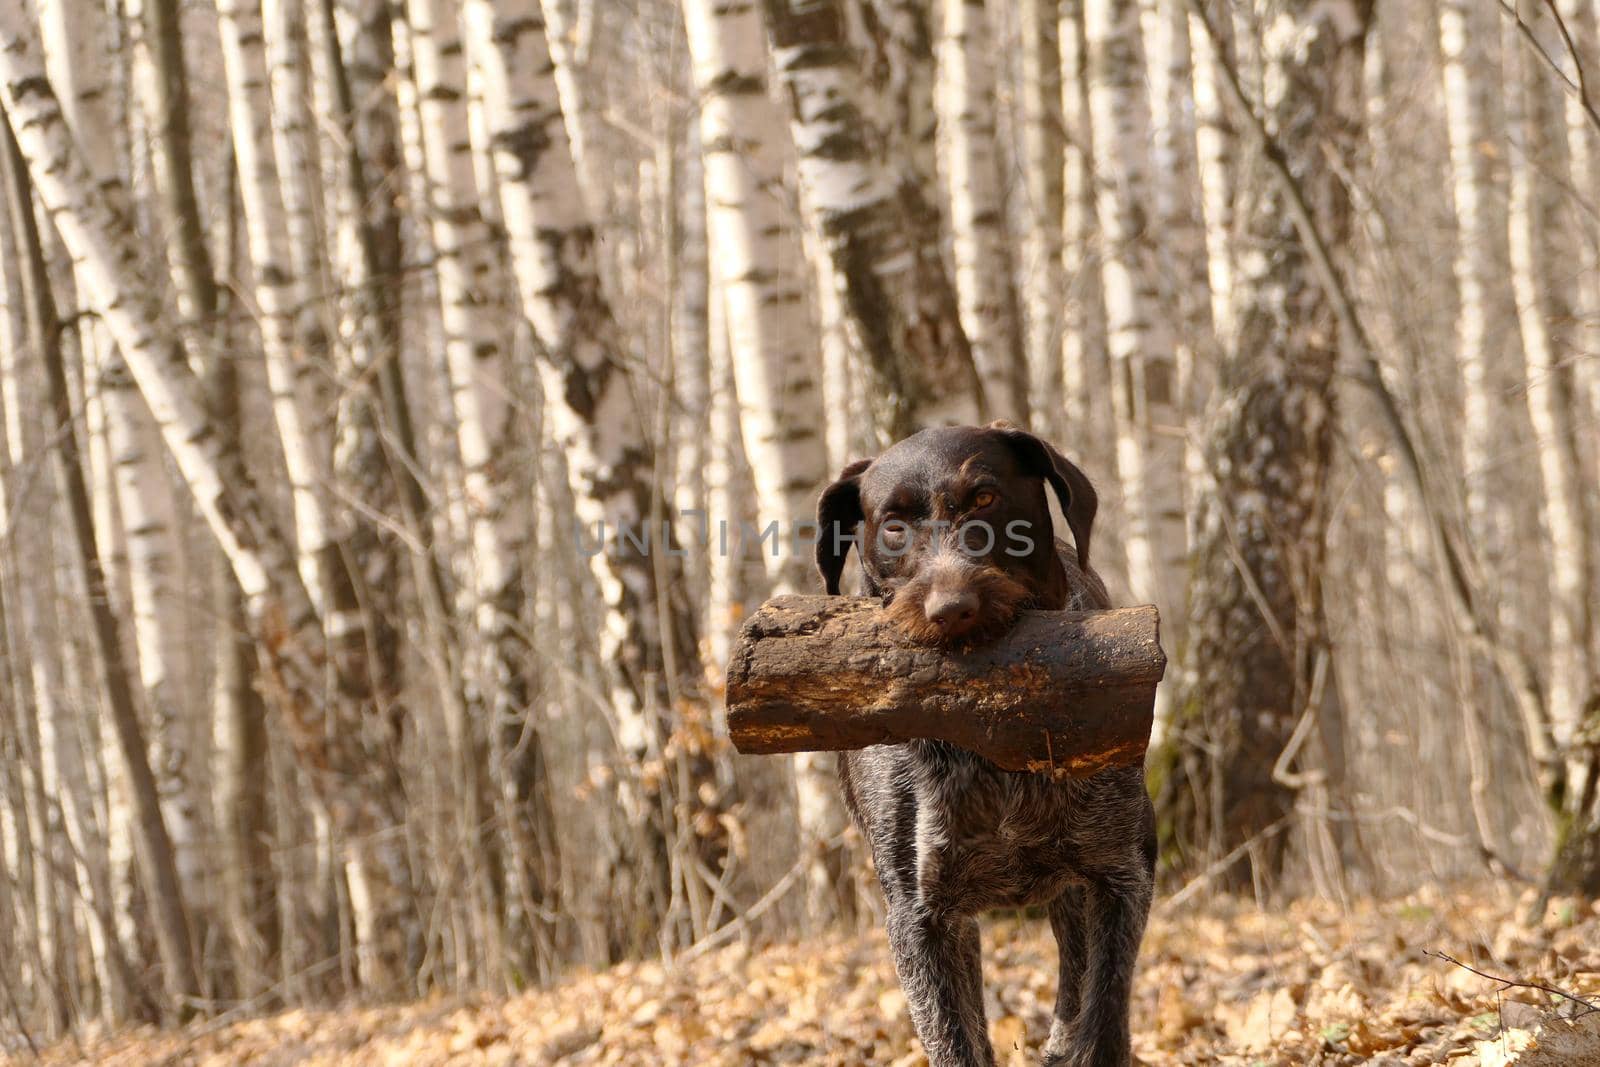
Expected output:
(1259, 654)
(901, 310)
(156, 857)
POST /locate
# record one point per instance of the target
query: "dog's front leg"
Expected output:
(1067, 923)
(1113, 923)
(938, 961)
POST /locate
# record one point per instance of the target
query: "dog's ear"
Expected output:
(1078, 499)
(838, 515)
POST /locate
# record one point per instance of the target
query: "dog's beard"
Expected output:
(1000, 597)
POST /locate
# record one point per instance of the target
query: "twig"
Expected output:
(1201, 880)
(1576, 88)
(1589, 1007)
(755, 911)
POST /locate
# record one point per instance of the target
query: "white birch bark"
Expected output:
(969, 167)
(1149, 431)
(1181, 271)
(483, 393)
(22, 619)
(648, 636)
(1214, 150)
(1084, 373)
(1532, 218)
(282, 616)
(1464, 26)
(760, 266)
(53, 817)
(1583, 165)
(760, 270)
(145, 506)
(896, 298)
(299, 175)
(1043, 274)
(277, 291)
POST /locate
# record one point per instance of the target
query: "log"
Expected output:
(1063, 693)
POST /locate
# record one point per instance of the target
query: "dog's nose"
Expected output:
(953, 611)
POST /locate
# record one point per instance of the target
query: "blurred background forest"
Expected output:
(329, 324)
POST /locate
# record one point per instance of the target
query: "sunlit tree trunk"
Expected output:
(896, 298)
(970, 164)
(1043, 274)
(1532, 218)
(375, 866)
(1144, 381)
(1214, 157)
(484, 399)
(283, 619)
(1259, 636)
(22, 619)
(160, 84)
(1084, 362)
(648, 636)
(277, 291)
(75, 55)
(760, 273)
(1464, 29)
(294, 144)
(1583, 164)
(155, 851)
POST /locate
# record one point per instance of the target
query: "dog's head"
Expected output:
(953, 529)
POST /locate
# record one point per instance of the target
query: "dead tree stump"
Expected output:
(1064, 693)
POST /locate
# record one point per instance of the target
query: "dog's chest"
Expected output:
(987, 838)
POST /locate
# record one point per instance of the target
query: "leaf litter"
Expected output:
(1222, 981)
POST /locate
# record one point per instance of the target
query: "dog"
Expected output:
(954, 534)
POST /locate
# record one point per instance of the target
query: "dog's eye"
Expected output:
(985, 498)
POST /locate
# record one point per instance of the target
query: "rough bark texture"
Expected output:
(156, 858)
(648, 637)
(1143, 376)
(1257, 615)
(1062, 693)
(970, 166)
(1544, 317)
(283, 620)
(899, 303)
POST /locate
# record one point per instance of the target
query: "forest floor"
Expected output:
(1221, 982)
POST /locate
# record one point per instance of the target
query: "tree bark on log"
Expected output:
(1064, 693)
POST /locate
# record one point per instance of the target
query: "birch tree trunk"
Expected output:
(1532, 220)
(155, 852)
(970, 168)
(899, 304)
(1257, 617)
(1214, 163)
(1144, 380)
(1085, 367)
(160, 82)
(760, 268)
(277, 291)
(1043, 271)
(283, 620)
(1464, 26)
(1583, 164)
(483, 392)
(381, 904)
(36, 678)
(143, 492)
(648, 634)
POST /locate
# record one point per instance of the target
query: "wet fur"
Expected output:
(952, 835)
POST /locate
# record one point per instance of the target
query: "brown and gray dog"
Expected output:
(954, 534)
